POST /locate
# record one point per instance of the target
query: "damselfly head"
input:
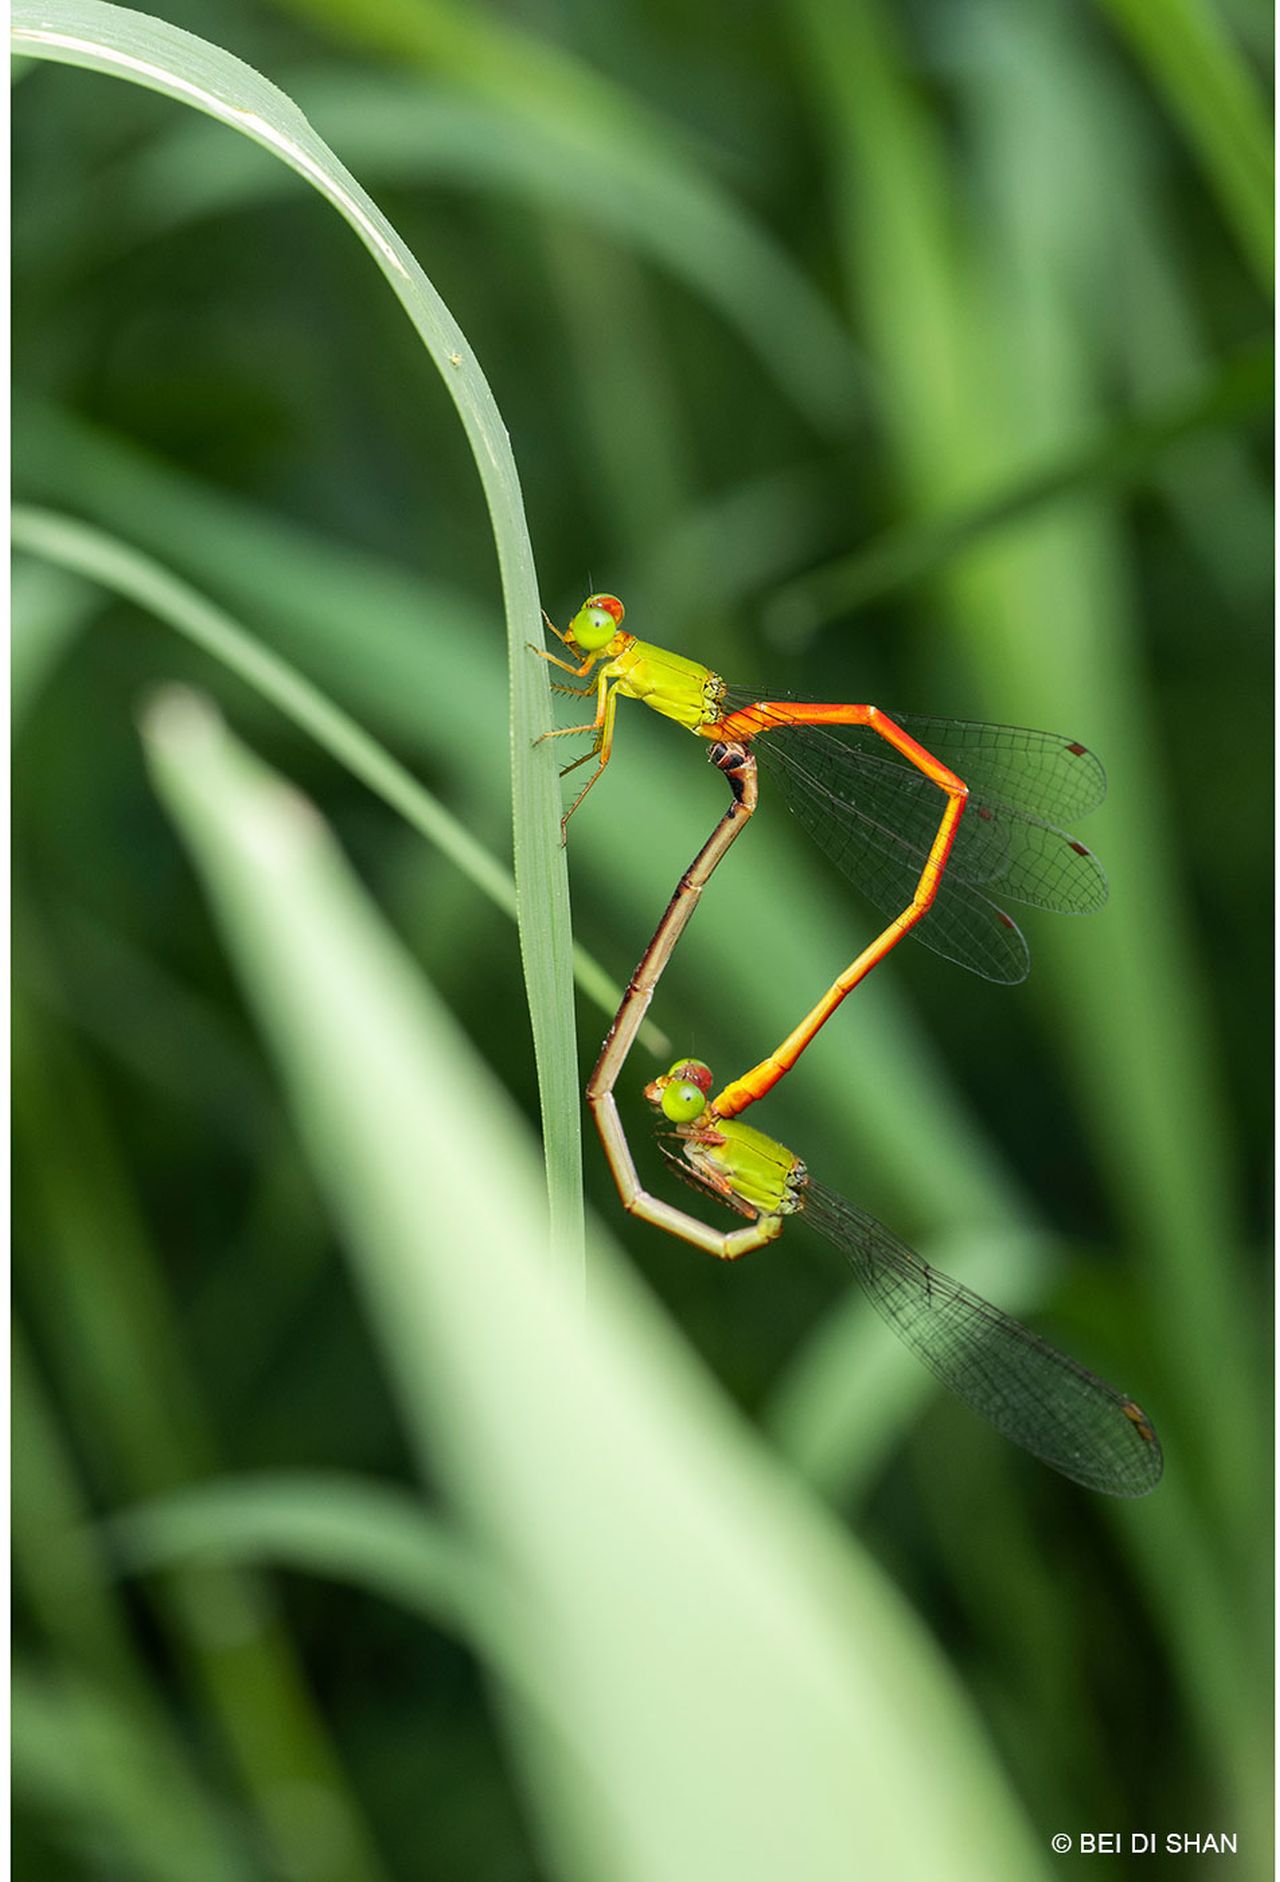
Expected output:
(681, 1094)
(596, 622)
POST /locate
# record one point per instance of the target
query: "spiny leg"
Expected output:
(603, 749)
(595, 778)
(578, 672)
(586, 758)
(604, 714)
(567, 731)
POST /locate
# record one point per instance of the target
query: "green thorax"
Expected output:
(758, 1169)
(680, 689)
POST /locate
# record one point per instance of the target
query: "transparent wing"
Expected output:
(688, 1173)
(1017, 855)
(875, 815)
(1033, 1394)
(1045, 773)
(838, 806)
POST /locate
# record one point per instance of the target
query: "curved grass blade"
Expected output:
(375, 1535)
(149, 52)
(72, 545)
(100, 1770)
(107, 1331)
(63, 1583)
(1188, 50)
(400, 132)
(48, 610)
(705, 1616)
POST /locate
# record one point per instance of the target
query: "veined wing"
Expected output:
(1043, 773)
(875, 815)
(963, 924)
(1033, 1394)
(1021, 858)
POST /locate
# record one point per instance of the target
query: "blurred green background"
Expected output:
(908, 353)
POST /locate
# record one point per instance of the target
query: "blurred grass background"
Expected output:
(908, 353)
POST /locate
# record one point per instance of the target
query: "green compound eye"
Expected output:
(683, 1101)
(596, 622)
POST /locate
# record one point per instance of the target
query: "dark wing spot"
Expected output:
(1138, 1418)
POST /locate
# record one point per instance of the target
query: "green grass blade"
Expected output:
(302, 588)
(1241, 389)
(1160, 1138)
(72, 545)
(1209, 88)
(371, 1534)
(702, 1618)
(574, 116)
(107, 1324)
(48, 611)
(64, 1582)
(400, 132)
(96, 1769)
(1045, 623)
(148, 52)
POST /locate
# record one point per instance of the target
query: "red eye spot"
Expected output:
(694, 1072)
(609, 603)
(1078, 751)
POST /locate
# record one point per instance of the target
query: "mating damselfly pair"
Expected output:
(939, 822)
